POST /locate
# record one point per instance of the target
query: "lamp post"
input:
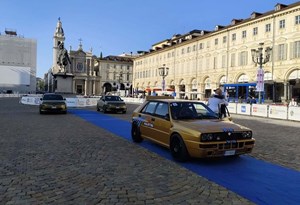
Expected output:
(257, 58)
(163, 72)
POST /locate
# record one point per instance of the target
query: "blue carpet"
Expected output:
(258, 181)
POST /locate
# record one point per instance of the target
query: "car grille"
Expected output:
(224, 136)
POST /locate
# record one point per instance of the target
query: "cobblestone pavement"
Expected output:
(62, 159)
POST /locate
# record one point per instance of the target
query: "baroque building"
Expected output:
(91, 75)
(200, 61)
(116, 74)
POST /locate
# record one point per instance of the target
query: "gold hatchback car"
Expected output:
(189, 129)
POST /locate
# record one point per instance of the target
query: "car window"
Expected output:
(149, 108)
(112, 98)
(183, 110)
(162, 109)
(52, 97)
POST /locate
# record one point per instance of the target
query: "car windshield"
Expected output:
(112, 98)
(191, 110)
(53, 97)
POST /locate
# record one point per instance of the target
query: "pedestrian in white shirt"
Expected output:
(216, 100)
(293, 102)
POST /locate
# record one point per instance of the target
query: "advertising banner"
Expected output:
(260, 80)
(278, 112)
(259, 110)
(243, 109)
(71, 102)
(294, 113)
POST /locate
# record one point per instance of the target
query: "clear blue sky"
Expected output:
(116, 26)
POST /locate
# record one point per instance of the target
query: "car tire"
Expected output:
(104, 109)
(98, 109)
(178, 149)
(41, 112)
(124, 112)
(135, 133)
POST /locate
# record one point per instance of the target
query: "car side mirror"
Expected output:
(64, 98)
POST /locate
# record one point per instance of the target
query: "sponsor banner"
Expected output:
(278, 112)
(243, 109)
(259, 110)
(91, 101)
(294, 113)
(30, 100)
(81, 102)
(71, 102)
(231, 108)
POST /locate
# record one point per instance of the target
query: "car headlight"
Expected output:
(206, 137)
(247, 135)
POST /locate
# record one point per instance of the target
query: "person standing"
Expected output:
(217, 100)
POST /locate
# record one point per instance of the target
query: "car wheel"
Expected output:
(98, 109)
(178, 149)
(124, 112)
(135, 133)
(104, 109)
(41, 112)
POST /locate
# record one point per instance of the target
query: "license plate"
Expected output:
(229, 153)
(117, 107)
(53, 107)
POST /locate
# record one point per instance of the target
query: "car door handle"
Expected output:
(152, 119)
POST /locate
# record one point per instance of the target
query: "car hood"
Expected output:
(207, 126)
(53, 101)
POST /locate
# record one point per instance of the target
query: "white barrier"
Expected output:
(232, 108)
(294, 113)
(243, 109)
(278, 111)
(260, 110)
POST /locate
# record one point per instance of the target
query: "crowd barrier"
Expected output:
(261, 110)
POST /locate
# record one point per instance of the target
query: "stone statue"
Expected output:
(63, 58)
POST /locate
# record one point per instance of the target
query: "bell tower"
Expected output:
(58, 38)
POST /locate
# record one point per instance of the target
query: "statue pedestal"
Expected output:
(63, 82)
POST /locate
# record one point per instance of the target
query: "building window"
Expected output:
(188, 49)
(233, 36)
(216, 41)
(215, 62)
(296, 53)
(182, 51)
(297, 20)
(194, 47)
(224, 39)
(200, 46)
(281, 52)
(244, 34)
(232, 62)
(282, 24)
(223, 61)
(243, 58)
(268, 27)
(255, 31)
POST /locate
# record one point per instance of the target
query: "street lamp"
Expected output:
(163, 71)
(257, 58)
